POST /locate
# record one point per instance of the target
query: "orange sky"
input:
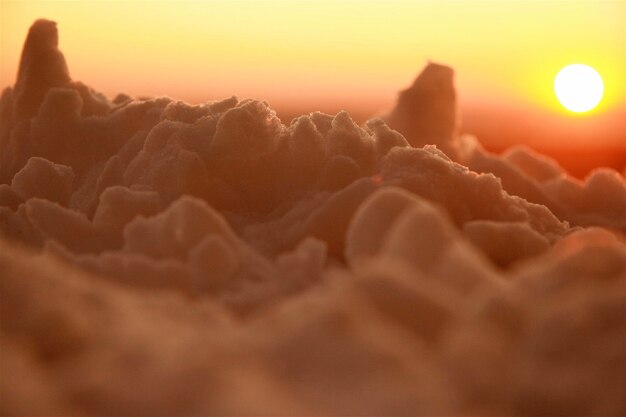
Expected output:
(331, 54)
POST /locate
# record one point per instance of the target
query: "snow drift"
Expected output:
(159, 258)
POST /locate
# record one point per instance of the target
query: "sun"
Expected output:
(578, 87)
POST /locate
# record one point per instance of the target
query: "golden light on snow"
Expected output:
(579, 88)
(165, 258)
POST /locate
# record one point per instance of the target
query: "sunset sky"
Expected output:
(330, 55)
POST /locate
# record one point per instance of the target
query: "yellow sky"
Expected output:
(323, 51)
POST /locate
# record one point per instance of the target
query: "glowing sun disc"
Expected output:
(578, 87)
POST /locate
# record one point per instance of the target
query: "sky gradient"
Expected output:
(330, 55)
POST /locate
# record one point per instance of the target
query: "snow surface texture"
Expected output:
(159, 258)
